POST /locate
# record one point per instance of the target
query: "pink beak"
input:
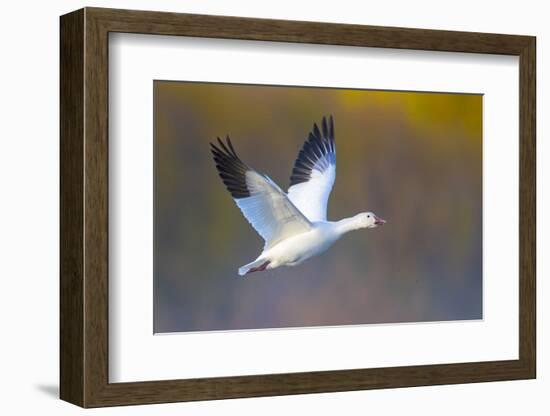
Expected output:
(379, 221)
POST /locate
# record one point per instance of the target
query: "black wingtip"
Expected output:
(325, 127)
(231, 168)
(316, 131)
(233, 152)
(319, 144)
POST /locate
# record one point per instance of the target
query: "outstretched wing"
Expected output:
(262, 202)
(314, 172)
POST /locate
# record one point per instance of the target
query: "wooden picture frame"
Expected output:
(84, 207)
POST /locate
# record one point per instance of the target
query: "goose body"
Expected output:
(293, 225)
(298, 248)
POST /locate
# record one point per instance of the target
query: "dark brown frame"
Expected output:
(84, 207)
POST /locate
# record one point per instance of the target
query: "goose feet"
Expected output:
(260, 268)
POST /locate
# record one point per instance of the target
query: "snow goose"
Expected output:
(294, 225)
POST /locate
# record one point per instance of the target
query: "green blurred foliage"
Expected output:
(413, 158)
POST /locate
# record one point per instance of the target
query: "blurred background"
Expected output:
(413, 158)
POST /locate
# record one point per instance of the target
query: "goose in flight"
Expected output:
(294, 224)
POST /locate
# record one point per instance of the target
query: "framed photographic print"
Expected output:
(255, 207)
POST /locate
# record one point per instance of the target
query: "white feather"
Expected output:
(269, 210)
(311, 197)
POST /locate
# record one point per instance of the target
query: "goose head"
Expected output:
(369, 220)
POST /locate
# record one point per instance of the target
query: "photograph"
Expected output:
(314, 208)
(295, 207)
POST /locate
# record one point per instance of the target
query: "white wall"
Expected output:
(29, 209)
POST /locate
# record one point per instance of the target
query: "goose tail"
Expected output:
(258, 265)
